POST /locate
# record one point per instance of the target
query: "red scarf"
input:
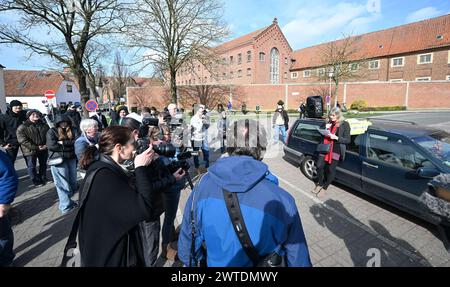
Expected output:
(327, 140)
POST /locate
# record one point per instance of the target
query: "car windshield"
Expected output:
(438, 144)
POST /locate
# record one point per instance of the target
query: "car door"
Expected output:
(389, 169)
(348, 171)
(305, 136)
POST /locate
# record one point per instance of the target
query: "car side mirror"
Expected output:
(427, 172)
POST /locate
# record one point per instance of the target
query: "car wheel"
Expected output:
(308, 167)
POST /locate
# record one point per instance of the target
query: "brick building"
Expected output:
(414, 52)
(260, 57)
(408, 65)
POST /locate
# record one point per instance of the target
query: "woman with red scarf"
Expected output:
(338, 138)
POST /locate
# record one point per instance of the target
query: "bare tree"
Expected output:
(342, 60)
(95, 72)
(208, 95)
(71, 25)
(172, 33)
(120, 77)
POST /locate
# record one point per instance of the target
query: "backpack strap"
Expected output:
(237, 220)
(72, 244)
(193, 262)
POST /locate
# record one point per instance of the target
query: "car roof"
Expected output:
(408, 129)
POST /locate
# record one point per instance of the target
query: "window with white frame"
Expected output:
(321, 72)
(274, 66)
(448, 78)
(231, 75)
(239, 73)
(249, 72)
(307, 74)
(398, 62)
(262, 57)
(69, 88)
(286, 60)
(239, 58)
(425, 58)
(294, 75)
(423, 79)
(396, 80)
(285, 75)
(231, 59)
(354, 67)
(374, 65)
(249, 56)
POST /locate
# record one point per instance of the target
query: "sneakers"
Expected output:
(38, 183)
(72, 208)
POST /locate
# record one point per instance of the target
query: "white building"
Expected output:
(29, 87)
(2, 91)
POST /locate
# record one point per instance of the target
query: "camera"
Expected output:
(164, 149)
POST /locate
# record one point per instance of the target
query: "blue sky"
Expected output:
(304, 22)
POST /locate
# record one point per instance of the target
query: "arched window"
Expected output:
(274, 66)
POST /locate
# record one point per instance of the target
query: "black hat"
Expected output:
(280, 103)
(33, 111)
(15, 103)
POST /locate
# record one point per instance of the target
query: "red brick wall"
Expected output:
(375, 95)
(429, 95)
(422, 95)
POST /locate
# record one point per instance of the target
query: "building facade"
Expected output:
(2, 90)
(29, 87)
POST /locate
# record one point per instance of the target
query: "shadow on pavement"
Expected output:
(358, 240)
(45, 240)
(34, 205)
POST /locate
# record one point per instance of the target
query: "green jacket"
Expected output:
(30, 136)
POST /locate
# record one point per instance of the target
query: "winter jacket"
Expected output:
(283, 114)
(67, 149)
(8, 179)
(9, 123)
(111, 214)
(75, 118)
(82, 143)
(269, 212)
(31, 135)
(101, 121)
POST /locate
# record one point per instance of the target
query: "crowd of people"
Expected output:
(134, 170)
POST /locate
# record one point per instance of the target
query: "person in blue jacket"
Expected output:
(8, 188)
(269, 212)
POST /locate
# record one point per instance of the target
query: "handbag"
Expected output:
(52, 161)
(234, 211)
(323, 148)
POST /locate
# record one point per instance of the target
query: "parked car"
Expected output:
(392, 161)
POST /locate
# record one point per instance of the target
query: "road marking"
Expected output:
(360, 225)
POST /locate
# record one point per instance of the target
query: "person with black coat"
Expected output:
(117, 202)
(9, 123)
(101, 120)
(74, 115)
(159, 179)
(338, 138)
(280, 122)
(32, 137)
(61, 144)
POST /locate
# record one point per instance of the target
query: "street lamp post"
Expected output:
(330, 75)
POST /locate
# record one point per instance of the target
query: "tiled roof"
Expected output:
(240, 41)
(404, 39)
(31, 83)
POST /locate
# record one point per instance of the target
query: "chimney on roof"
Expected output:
(275, 21)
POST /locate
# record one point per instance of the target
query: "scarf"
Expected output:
(329, 155)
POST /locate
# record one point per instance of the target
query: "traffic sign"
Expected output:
(91, 105)
(49, 94)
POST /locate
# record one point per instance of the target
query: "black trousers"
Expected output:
(325, 172)
(12, 152)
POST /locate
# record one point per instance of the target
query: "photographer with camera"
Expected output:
(159, 180)
(199, 126)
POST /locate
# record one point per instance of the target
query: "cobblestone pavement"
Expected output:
(343, 228)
